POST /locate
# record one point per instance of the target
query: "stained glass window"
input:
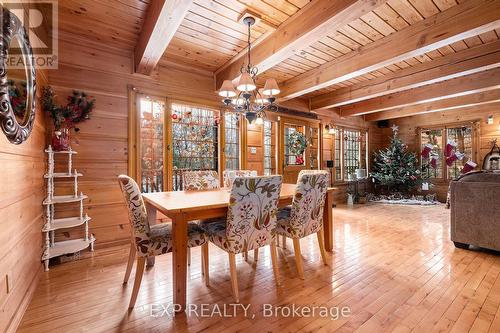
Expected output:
(352, 151)
(194, 140)
(232, 140)
(313, 148)
(269, 149)
(151, 132)
(462, 136)
(435, 138)
(337, 153)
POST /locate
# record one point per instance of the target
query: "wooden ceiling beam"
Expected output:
(453, 65)
(313, 22)
(487, 97)
(162, 20)
(465, 85)
(469, 18)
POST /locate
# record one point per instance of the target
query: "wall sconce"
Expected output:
(490, 120)
(331, 128)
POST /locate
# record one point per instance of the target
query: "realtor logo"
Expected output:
(40, 20)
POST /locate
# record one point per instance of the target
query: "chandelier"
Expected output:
(246, 98)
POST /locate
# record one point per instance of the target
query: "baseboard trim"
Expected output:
(21, 309)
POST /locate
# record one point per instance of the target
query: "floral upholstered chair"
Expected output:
(283, 210)
(305, 216)
(230, 175)
(149, 240)
(200, 180)
(250, 222)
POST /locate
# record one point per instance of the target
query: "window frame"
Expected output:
(238, 143)
(474, 125)
(338, 145)
(133, 145)
(273, 147)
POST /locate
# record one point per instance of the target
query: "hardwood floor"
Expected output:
(393, 266)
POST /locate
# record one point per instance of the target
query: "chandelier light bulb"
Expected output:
(259, 121)
(246, 83)
(261, 98)
(238, 101)
(227, 90)
(271, 88)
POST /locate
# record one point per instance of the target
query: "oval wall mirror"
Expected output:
(17, 80)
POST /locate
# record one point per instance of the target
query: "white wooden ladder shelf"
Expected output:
(52, 248)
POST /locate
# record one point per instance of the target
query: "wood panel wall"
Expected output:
(21, 194)
(408, 131)
(106, 74)
(375, 141)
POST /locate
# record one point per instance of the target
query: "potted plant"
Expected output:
(78, 109)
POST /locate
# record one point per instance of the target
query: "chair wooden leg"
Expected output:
(130, 263)
(234, 277)
(284, 241)
(298, 257)
(274, 259)
(204, 259)
(322, 245)
(245, 255)
(255, 254)
(141, 261)
(189, 256)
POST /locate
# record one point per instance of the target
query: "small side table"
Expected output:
(353, 187)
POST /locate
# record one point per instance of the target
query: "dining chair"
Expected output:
(250, 222)
(289, 207)
(230, 175)
(305, 216)
(152, 240)
(200, 180)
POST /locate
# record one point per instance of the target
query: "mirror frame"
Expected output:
(15, 132)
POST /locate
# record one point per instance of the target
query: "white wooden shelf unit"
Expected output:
(52, 248)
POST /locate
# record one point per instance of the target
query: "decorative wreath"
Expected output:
(297, 143)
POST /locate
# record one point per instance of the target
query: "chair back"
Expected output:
(308, 203)
(200, 180)
(308, 172)
(137, 214)
(230, 175)
(251, 218)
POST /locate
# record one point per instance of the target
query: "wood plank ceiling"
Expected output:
(210, 37)
(116, 23)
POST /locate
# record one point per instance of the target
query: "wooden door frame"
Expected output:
(133, 167)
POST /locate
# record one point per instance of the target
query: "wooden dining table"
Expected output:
(184, 206)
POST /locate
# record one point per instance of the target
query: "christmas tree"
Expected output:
(395, 167)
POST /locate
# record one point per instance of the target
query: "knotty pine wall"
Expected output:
(21, 194)
(408, 131)
(375, 141)
(106, 73)
(255, 140)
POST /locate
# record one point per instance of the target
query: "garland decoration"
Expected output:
(78, 108)
(297, 143)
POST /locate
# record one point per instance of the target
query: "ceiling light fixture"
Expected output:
(246, 98)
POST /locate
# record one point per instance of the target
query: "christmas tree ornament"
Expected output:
(426, 150)
(450, 147)
(397, 174)
(468, 167)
